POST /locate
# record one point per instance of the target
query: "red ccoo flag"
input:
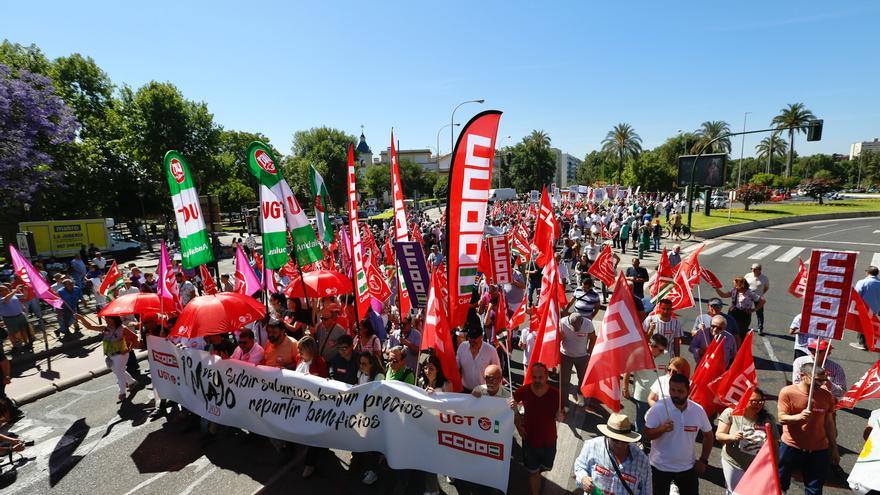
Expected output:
(799, 284)
(361, 288)
(740, 409)
(710, 278)
(436, 333)
(762, 476)
(868, 387)
(860, 318)
(547, 342)
(207, 281)
(621, 346)
(519, 316)
(603, 267)
(690, 267)
(663, 282)
(546, 229)
(728, 388)
(607, 391)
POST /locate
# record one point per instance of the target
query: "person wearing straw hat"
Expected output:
(613, 463)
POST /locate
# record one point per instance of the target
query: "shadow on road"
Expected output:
(61, 461)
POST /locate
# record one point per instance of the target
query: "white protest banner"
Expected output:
(446, 433)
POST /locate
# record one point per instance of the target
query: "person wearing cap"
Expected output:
(717, 330)
(809, 438)
(613, 459)
(703, 323)
(836, 383)
(760, 285)
(868, 289)
(672, 425)
(473, 357)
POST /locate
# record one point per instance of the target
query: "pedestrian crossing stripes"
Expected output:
(790, 254)
(717, 247)
(875, 260)
(740, 250)
(764, 252)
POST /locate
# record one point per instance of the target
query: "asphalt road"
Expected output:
(86, 443)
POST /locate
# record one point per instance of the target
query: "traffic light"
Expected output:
(814, 130)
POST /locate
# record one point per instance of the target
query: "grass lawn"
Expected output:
(766, 211)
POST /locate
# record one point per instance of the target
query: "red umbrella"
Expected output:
(319, 283)
(141, 303)
(217, 313)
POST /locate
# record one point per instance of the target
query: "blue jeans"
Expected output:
(656, 243)
(812, 465)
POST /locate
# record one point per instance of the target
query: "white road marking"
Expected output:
(37, 432)
(740, 250)
(192, 486)
(764, 252)
(815, 242)
(717, 247)
(776, 363)
(876, 231)
(790, 254)
(875, 260)
(22, 424)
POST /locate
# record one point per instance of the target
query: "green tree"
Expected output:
(807, 166)
(592, 169)
(533, 163)
(86, 88)
(623, 142)
(708, 131)
(764, 179)
(793, 117)
(866, 168)
(441, 187)
(326, 149)
(652, 170)
(771, 144)
(29, 58)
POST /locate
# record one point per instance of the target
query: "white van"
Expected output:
(503, 194)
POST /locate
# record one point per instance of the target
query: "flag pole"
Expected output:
(662, 396)
(813, 375)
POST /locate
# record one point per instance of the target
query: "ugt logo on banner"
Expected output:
(826, 298)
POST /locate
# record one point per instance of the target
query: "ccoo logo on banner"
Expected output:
(826, 298)
(415, 271)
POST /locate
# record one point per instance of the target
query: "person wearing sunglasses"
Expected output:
(809, 438)
(743, 436)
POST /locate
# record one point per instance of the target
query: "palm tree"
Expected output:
(709, 130)
(794, 117)
(624, 142)
(771, 144)
(538, 138)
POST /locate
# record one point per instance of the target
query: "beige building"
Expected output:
(856, 149)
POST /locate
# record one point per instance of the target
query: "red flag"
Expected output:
(207, 281)
(680, 295)
(376, 282)
(710, 367)
(861, 319)
(607, 235)
(710, 278)
(545, 230)
(110, 280)
(740, 409)
(417, 235)
(690, 267)
(400, 224)
(519, 316)
(547, 342)
(868, 387)
(389, 253)
(762, 476)
(603, 267)
(436, 334)
(498, 254)
(826, 299)
(663, 281)
(729, 388)
(607, 391)
(520, 240)
(621, 347)
(484, 265)
(501, 332)
(799, 284)
(362, 291)
(258, 262)
(470, 177)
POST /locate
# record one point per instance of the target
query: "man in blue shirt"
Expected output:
(869, 289)
(71, 295)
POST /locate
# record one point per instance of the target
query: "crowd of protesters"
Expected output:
(650, 453)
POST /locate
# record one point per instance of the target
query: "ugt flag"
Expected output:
(319, 192)
(261, 164)
(195, 247)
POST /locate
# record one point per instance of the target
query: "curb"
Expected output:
(26, 361)
(67, 383)
(758, 224)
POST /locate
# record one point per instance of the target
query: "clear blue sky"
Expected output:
(573, 69)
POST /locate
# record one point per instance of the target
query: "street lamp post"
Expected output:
(438, 141)
(742, 149)
(452, 119)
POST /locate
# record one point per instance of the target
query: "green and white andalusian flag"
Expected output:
(262, 164)
(306, 245)
(319, 192)
(195, 247)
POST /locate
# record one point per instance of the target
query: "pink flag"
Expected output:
(29, 275)
(167, 284)
(271, 284)
(246, 281)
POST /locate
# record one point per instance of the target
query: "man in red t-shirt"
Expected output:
(809, 438)
(538, 424)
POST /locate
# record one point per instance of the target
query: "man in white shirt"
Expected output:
(759, 284)
(473, 357)
(248, 350)
(672, 425)
(578, 339)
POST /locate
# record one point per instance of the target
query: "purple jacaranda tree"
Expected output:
(33, 122)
